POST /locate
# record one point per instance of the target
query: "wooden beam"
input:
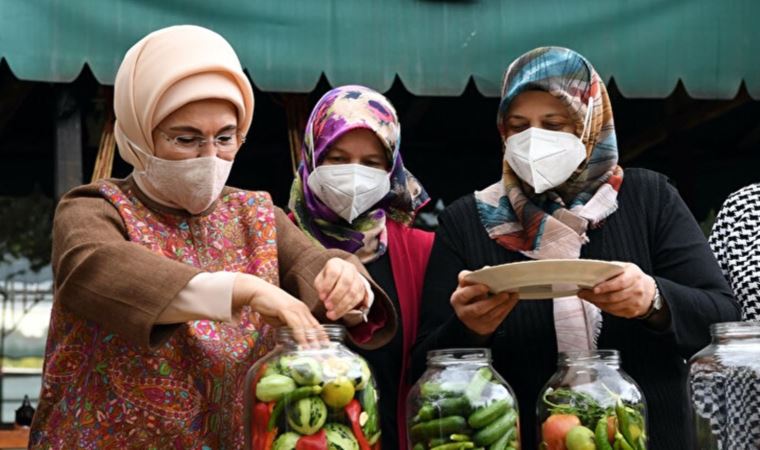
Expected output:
(297, 113)
(68, 142)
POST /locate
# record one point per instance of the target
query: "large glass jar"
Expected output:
(724, 387)
(461, 402)
(590, 403)
(315, 396)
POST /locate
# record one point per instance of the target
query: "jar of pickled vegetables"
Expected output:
(590, 403)
(461, 402)
(724, 387)
(318, 395)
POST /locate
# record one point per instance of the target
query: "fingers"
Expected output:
(469, 294)
(340, 287)
(348, 293)
(483, 314)
(617, 283)
(304, 326)
(626, 295)
(461, 278)
(327, 278)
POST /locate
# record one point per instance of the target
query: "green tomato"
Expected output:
(305, 370)
(286, 441)
(580, 438)
(338, 392)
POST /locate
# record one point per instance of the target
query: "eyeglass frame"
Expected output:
(203, 141)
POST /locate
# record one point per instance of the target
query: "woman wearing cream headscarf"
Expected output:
(166, 281)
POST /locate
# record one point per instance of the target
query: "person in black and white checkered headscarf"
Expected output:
(735, 240)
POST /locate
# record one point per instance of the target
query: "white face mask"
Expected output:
(349, 189)
(190, 184)
(545, 159)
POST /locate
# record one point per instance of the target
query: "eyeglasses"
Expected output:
(225, 142)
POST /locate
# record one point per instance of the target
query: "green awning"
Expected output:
(433, 46)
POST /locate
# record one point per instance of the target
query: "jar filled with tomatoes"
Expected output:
(590, 403)
(461, 402)
(316, 396)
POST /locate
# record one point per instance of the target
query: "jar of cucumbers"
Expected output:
(315, 396)
(461, 403)
(591, 404)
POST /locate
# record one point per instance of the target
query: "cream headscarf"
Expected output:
(166, 70)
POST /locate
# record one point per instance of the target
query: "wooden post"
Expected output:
(68, 142)
(297, 112)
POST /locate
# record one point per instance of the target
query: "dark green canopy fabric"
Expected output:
(434, 46)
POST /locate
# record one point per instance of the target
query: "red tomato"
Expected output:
(555, 428)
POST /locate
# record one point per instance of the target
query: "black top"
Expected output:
(386, 361)
(652, 228)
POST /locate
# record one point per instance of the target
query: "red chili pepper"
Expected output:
(262, 438)
(316, 441)
(353, 411)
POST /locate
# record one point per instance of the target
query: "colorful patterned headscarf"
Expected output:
(340, 110)
(554, 224)
(544, 226)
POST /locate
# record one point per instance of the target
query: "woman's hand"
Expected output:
(341, 288)
(275, 306)
(628, 295)
(480, 312)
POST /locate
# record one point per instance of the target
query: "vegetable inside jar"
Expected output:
(316, 396)
(461, 402)
(590, 403)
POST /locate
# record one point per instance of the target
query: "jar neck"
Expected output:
(609, 358)
(459, 356)
(329, 333)
(735, 332)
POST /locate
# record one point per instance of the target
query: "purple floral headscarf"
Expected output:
(341, 110)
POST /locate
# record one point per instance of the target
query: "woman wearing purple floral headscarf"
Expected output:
(353, 193)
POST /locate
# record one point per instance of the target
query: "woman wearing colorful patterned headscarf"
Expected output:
(353, 192)
(562, 195)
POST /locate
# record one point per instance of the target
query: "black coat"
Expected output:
(652, 228)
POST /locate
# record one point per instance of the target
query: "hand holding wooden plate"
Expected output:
(546, 278)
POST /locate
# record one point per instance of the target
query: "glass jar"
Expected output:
(724, 388)
(461, 399)
(320, 395)
(591, 403)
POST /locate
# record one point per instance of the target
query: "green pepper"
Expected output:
(621, 443)
(630, 422)
(368, 400)
(600, 435)
(438, 427)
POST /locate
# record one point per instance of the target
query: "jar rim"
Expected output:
(459, 355)
(607, 356)
(333, 332)
(735, 329)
